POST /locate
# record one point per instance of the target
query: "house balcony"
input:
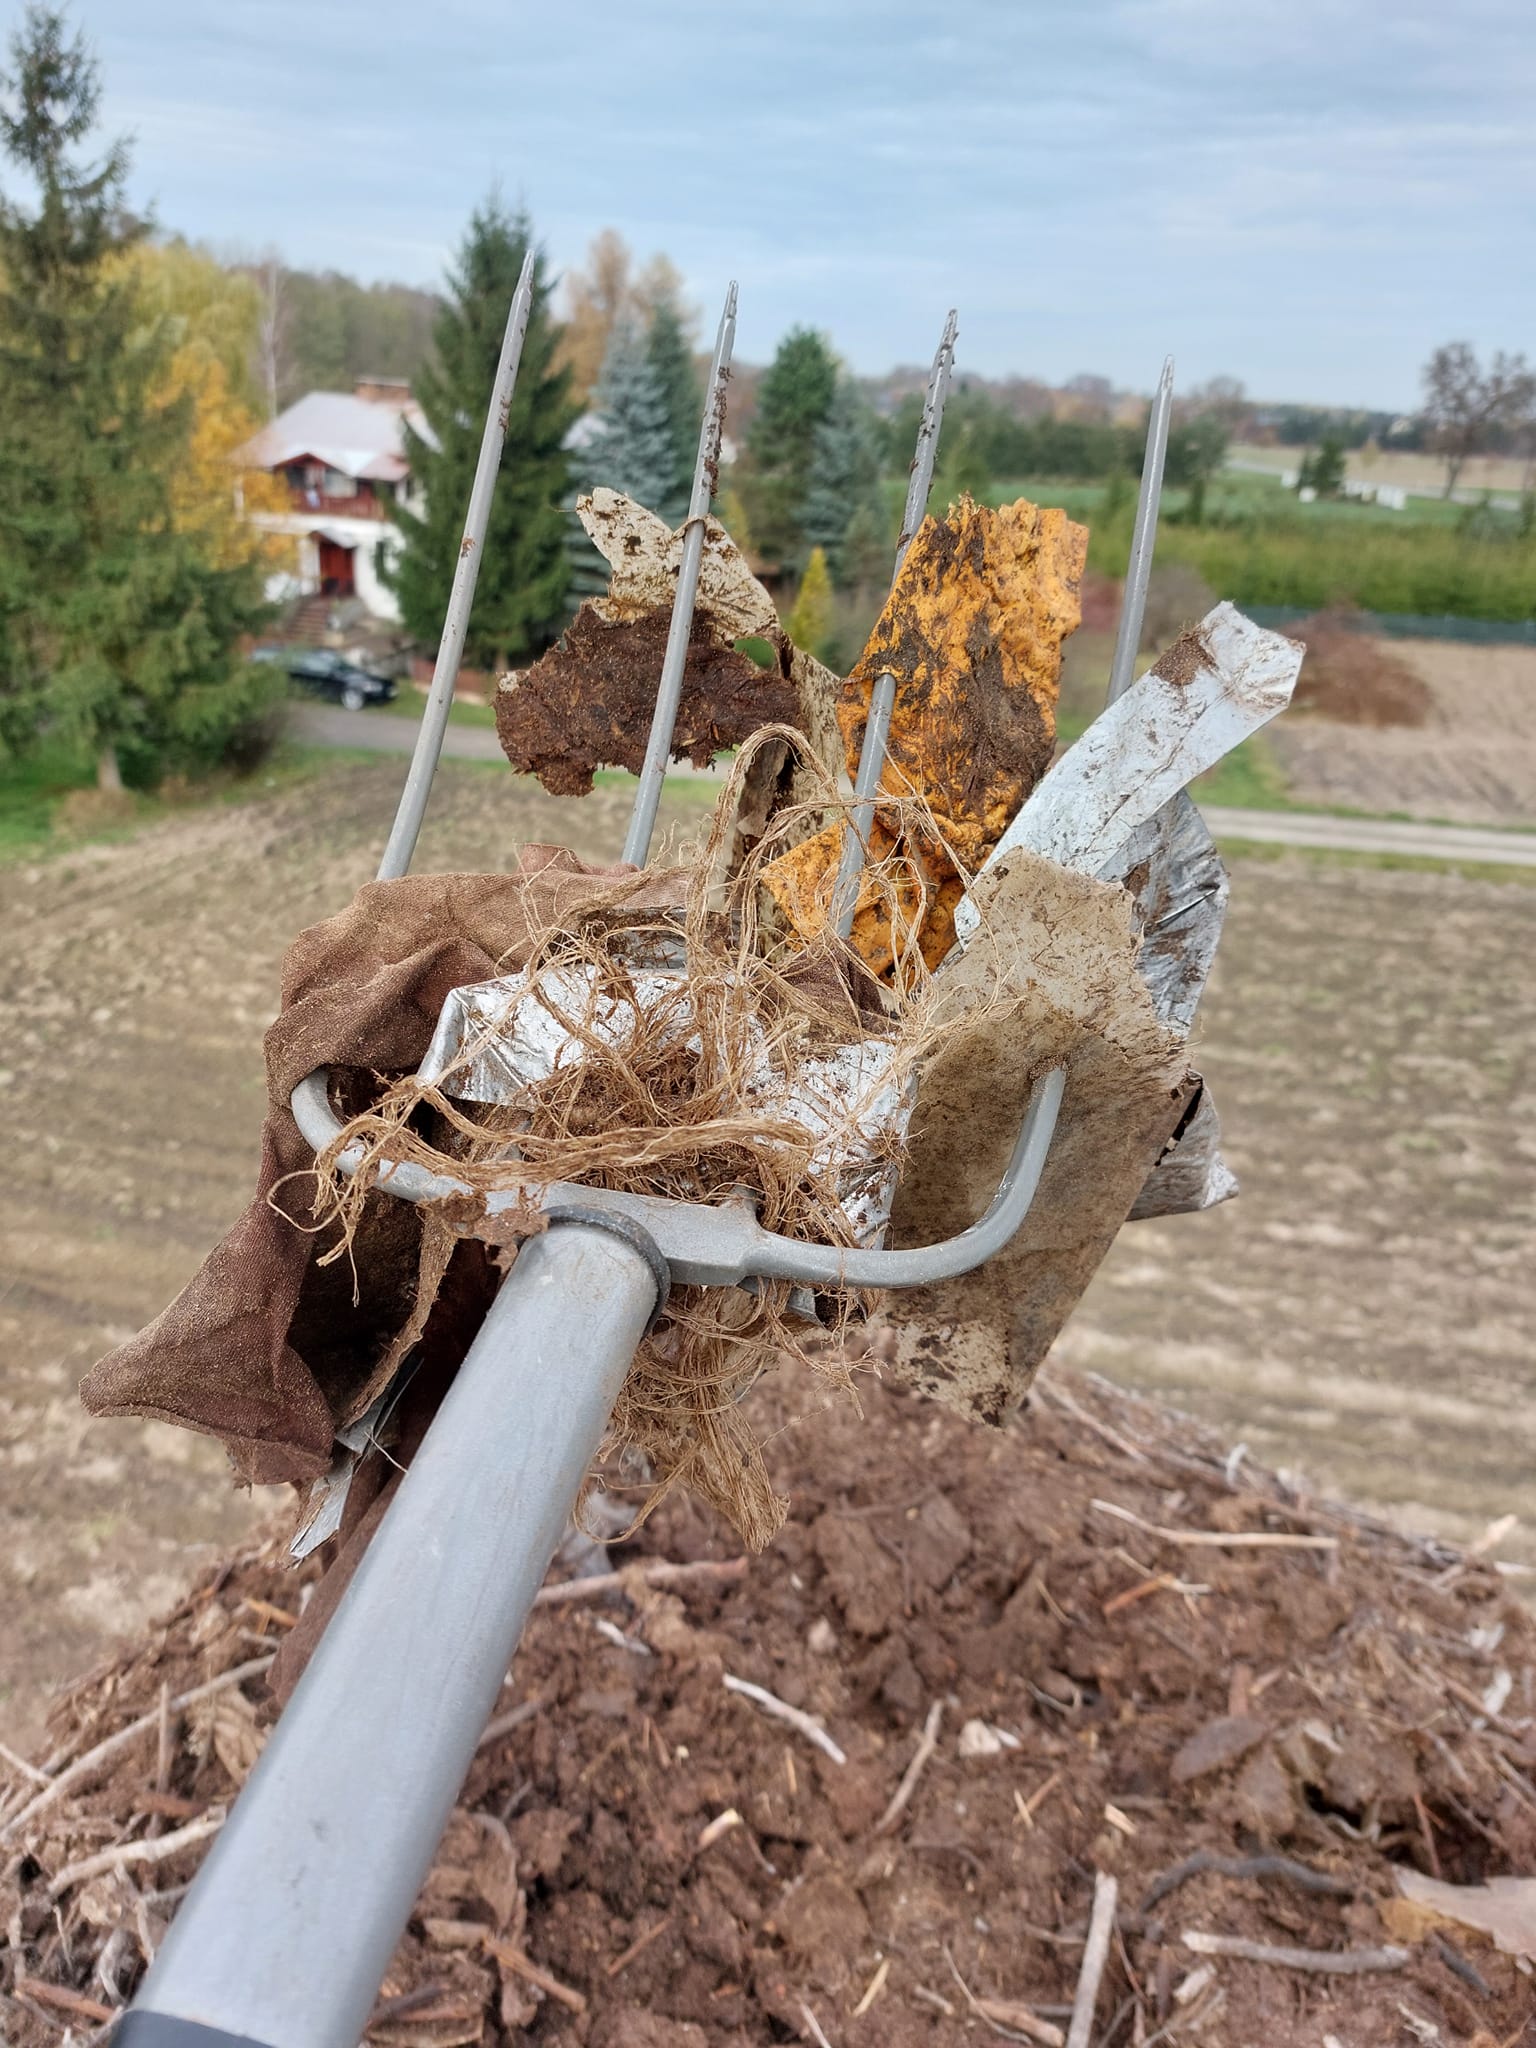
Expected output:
(322, 505)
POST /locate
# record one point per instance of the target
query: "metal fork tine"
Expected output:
(466, 570)
(669, 690)
(1138, 569)
(882, 698)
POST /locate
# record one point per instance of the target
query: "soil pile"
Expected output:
(1354, 680)
(1131, 1654)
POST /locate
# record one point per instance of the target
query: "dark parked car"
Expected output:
(325, 673)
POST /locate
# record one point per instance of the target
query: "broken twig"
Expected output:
(781, 1710)
(1006, 2016)
(709, 1571)
(1204, 1861)
(1101, 1926)
(125, 1853)
(638, 1946)
(1219, 1539)
(62, 2000)
(84, 1766)
(927, 1743)
(873, 1989)
(525, 1966)
(1322, 1962)
(815, 2026)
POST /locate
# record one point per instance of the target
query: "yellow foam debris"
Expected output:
(973, 633)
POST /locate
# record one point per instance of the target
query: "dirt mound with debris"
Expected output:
(1353, 679)
(995, 1668)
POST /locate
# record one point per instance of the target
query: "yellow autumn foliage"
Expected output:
(213, 314)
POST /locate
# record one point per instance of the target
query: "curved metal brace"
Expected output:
(723, 1245)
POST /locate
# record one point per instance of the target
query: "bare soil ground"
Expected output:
(1364, 1311)
(1473, 763)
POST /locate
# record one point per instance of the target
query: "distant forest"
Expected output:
(322, 330)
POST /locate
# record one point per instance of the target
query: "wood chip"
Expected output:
(1324, 1962)
(1164, 1582)
(1218, 1539)
(720, 1825)
(805, 1724)
(873, 1989)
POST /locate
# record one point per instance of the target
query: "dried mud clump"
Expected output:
(1254, 1738)
(589, 702)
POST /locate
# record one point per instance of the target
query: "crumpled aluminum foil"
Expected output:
(494, 1038)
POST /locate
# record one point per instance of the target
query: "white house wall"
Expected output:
(370, 539)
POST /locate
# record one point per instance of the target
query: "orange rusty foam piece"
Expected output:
(973, 633)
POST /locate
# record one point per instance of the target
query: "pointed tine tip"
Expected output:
(1165, 382)
(730, 300)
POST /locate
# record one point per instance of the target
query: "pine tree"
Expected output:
(520, 597)
(119, 631)
(793, 399)
(844, 484)
(633, 449)
(683, 390)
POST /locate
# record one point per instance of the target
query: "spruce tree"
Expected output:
(119, 631)
(844, 484)
(520, 597)
(793, 399)
(632, 450)
(683, 392)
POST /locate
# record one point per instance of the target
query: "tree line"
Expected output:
(131, 371)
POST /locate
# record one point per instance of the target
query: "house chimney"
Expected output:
(395, 391)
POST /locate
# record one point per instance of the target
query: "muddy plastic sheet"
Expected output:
(1049, 978)
(1216, 684)
(1172, 869)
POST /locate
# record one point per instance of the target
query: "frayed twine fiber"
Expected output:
(660, 1111)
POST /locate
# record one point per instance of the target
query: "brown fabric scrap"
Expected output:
(265, 1348)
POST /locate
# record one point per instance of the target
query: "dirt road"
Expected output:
(1364, 1311)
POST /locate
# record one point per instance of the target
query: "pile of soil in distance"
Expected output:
(1139, 1701)
(1353, 679)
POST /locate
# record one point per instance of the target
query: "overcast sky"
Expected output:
(1306, 194)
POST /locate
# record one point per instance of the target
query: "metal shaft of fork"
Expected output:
(1138, 569)
(642, 819)
(403, 834)
(287, 1931)
(882, 697)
